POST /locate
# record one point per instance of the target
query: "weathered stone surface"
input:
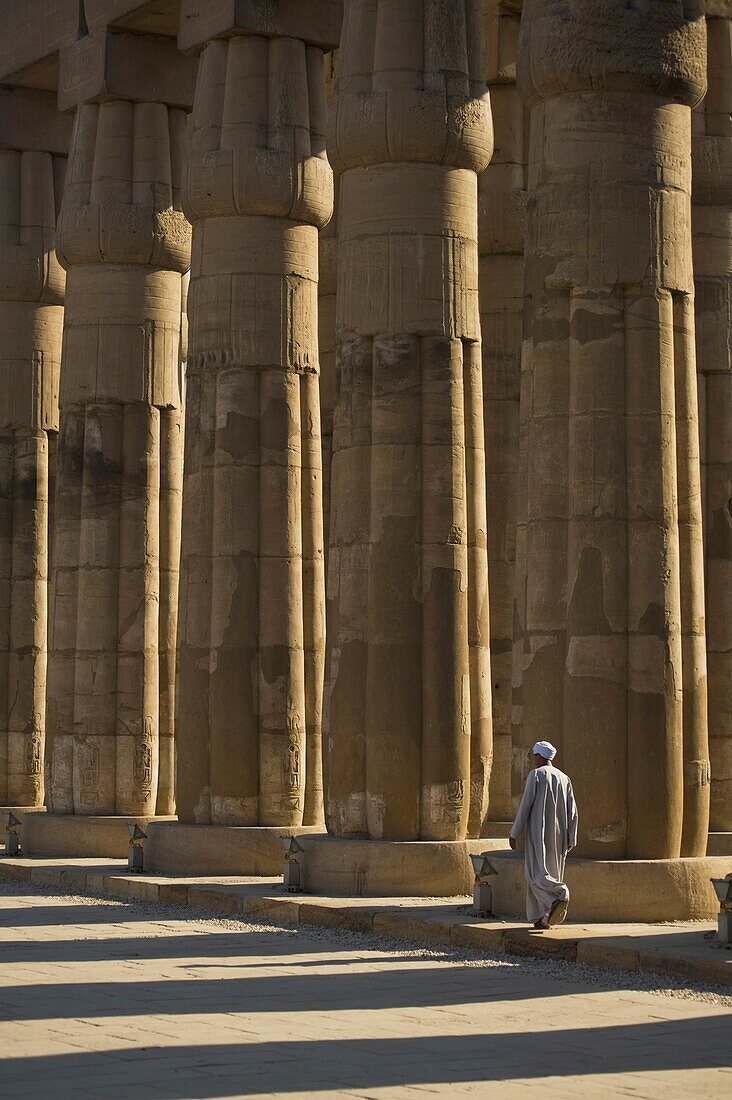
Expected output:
(408, 689)
(501, 211)
(252, 587)
(33, 142)
(327, 281)
(125, 244)
(712, 235)
(609, 659)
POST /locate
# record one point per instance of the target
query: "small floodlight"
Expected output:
(12, 833)
(135, 855)
(482, 893)
(723, 890)
(291, 876)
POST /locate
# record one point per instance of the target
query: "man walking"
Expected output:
(549, 815)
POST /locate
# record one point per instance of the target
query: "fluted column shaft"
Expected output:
(501, 212)
(32, 167)
(609, 652)
(712, 230)
(125, 244)
(407, 686)
(252, 643)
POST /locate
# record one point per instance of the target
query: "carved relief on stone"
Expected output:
(609, 650)
(408, 687)
(252, 634)
(125, 243)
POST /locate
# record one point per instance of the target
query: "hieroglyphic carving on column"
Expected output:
(125, 244)
(712, 233)
(501, 213)
(33, 145)
(251, 642)
(609, 646)
(407, 686)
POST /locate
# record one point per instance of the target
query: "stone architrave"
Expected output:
(252, 605)
(33, 145)
(407, 685)
(609, 659)
(125, 244)
(501, 213)
(712, 236)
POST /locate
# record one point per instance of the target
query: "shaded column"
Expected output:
(407, 686)
(125, 244)
(501, 213)
(712, 228)
(609, 644)
(251, 642)
(33, 145)
(327, 279)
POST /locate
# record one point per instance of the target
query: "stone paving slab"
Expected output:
(683, 949)
(110, 999)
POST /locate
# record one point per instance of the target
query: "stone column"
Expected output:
(712, 226)
(251, 642)
(501, 212)
(407, 687)
(609, 645)
(124, 242)
(33, 144)
(328, 275)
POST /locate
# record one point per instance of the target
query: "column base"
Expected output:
(175, 848)
(719, 844)
(47, 834)
(619, 891)
(334, 867)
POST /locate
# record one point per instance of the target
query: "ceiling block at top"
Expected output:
(316, 21)
(114, 64)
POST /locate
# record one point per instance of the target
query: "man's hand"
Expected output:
(512, 843)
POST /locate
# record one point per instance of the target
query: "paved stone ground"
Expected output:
(100, 998)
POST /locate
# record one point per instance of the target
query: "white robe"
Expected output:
(549, 815)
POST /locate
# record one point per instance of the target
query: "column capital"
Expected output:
(115, 64)
(316, 22)
(657, 48)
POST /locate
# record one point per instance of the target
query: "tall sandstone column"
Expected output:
(407, 687)
(712, 225)
(327, 281)
(125, 244)
(252, 644)
(610, 648)
(501, 213)
(33, 144)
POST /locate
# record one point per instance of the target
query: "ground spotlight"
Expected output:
(482, 893)
(135, 856)
(291, 877)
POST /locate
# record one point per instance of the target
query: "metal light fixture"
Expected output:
(135, 857)
(482, 892)
(723, 890)
(12, 834)
(291, 877)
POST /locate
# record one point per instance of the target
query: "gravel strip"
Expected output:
(662, 985)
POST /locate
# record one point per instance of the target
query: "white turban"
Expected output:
(545, 749)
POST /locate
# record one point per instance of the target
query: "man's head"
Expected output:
(544, 753)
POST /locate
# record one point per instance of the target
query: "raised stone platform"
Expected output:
(74, 835)
(390, 868)
(619, 891)
(173, 848)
